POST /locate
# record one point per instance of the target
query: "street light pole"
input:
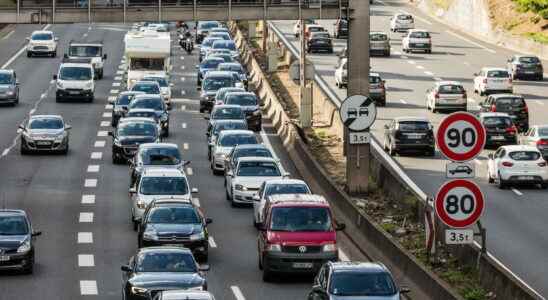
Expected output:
(305, 92)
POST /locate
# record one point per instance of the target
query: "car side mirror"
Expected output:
(36, 233)
(230, 173)
(22, 127)
(54, 76)
(286, 174)
(104, 56)
(509, 60)
(203, 268)
(111, 101)
(256, 198)
(27, 38)
(110, 133)
(340, 226)
(56, 39)
(65, 56)
(126, 268)
(186, 163)
(171, 85)
(194, 190)
(17, 82)
(68, 127)
(475, 74)
(317, 288)
(196, 67)
(386, 126)
(262, 104)
(490, 156)
(133, 190)
(404, 290)
(208, 220)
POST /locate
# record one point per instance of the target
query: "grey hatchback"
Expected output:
(9, 87)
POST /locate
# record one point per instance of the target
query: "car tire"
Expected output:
(482, 93)
(431, 152)
(23, 150)
(166, 132)
(29, 54)
(501, 183)
(28, 270)
(544, 185)
(259, 260)
(66, 150)
(58, 99)
(387, 53)
(392, 150)
(203, 258)
(490, 178)
(267, 275)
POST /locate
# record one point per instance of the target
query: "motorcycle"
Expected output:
(186, 43)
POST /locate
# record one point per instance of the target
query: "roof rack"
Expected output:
(302, 198)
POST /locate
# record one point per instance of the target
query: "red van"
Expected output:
(297, 236)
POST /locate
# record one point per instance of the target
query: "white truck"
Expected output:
(147, 54)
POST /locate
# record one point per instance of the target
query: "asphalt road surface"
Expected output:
(515, 218)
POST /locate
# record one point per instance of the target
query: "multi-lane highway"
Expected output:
(80, 201)
(515, 219)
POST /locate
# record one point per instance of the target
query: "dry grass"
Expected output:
(507, 15)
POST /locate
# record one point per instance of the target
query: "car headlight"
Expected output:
(197, 236)
(150, 234)
(59, 138)
(10, 92)
(274, 248)
(141, 204)
(59, 84)
(163, 118)
(329, 248)
(27, 136)
(117, 143)
(88, 85)
(240, 187)
(138, 290)
(25, 247)
(220, 155)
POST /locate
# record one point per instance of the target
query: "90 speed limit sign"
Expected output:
(459, 203)
(460, 137)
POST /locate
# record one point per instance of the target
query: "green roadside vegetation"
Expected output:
(539, 7)
(7, 3)
(539, 37)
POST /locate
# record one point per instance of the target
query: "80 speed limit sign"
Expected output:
(460, 137)
(459, 203)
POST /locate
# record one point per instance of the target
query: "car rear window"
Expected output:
(420, 35)
(227, 113)
(258, 168)
(413, 126)
(498, 74)
(529, 60)
(405, 17)
(362, 284)
(374, 79)
(237, 139)
(497, 121)
(510, 102)
(451, 89)
(524, 155)
(161, 156)
(315, 29)
(378, 37)
(543, 131)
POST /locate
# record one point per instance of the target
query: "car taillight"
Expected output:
(507, 164)
(512, 130)
(485, 80)
(542, 164)
(493, 108)
(542, 142)
(437, 95)
(526, 109)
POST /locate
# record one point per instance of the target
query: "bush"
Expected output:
(536, 6)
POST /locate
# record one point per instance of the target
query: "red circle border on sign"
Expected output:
(455, 117)
(445, 188)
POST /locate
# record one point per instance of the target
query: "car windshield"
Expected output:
(5, 78)
(164, 186)
(13, 225)
(320, 35)
(543, 131)
(46, 123)
(378, 37)
(300, 219)
(161, 156)
(146, 64)
(230, 67)
(226, 57)
(142, 114)
(285, 188)
(207, 25)
(75, 73)
(163, 261)
(227, 113)
(374, 79)
(420, 35)
(413, 126)
(161, 81)
(147, 88)
(229, 126)
(151, 103)
(223, 92)
(529, 60)
(498, 74)
(174, 215)
(222, 35)
(42, 37)
(258, 168)
(124, 99)
(361, 284)
(243, 100)
(524, 155)
(497, 121)
(451, 89)
(509, 103)
(211, 63)
(85, 51)
(405, 17)
(231, 140)
(255, 152)
(137, 129)
(209, 41)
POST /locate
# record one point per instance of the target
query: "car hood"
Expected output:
(45, 132)
(254, 182)
(74, 84)
(224, 150)
(301, 238)
(393, 297)
(136, 140)
(167, 280)
(5, 87)
(177, 230)
(11, 241)
(41, 43)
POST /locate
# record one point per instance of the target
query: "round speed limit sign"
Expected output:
(460, 136)
(459, 203)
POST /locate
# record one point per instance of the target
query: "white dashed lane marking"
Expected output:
(93, 168)
(102, 133)
(412, 62)
(90, 183)
(106, 114)
(85, 217)
(115, 84)
(419, 67)
(183, 107)
(85, 238)
(212, 243)
(428, 73)
(88, 199)
(99, 144)
(403, 101)
(517, 192)
(88, 287)
(114, 91)
(539, 102)
(109, 106)
(189, 171)
(185, 146)
(118, 78)
(343, 256)
(96, 155)
(105, 123)
(111, 99)
(86, 260)
(184, 125)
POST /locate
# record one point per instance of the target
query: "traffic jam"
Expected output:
(295, 228)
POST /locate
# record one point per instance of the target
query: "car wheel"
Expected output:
(227, 195)
(481, 93)
(490, 178)
(66, 150)
(501, 183)
(384, 145)
(431, 152)
(135, 225)
(544, 185)
(29, 54)
(203, 258)
(24, 151)
(392, 149)
(267, 275)
(16, 101)
(58, 100)
(29, 269)
(166, 132)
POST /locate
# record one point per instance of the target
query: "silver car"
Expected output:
(9, 87)
(446, 95)
(45, 133)
(537, 136)
(226, 140)
(379, 42)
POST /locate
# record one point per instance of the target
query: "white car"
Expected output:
(42, 42)
(446, 95)
(75, 81)
(226, 140)
(537, 136)
(517, 164)
(417, 40)
(402, 22)
(275, 187)
(243, 182)
(493, 80)
(341, 74)
(155, 183)
(297, 26)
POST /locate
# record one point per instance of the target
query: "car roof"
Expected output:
(378, 32)
(46, 117)
(95, 44)
(285, 181)
(250, 146)
(7, 71)
(75, 65)
(164, 249)
(222, 121)
(226, 106)
(236, 131)
(240, 94)
(507, 95)
(520, 148)
(230, 64)
(494, 69)
(374, 74)
(148, 96)
(142, 110)
(257, 158)
(402, 14)
(186, 294)
(417, 30)
(307, 199)
(131, 93)
(448, 82)
(493, 114)
(42, 31)
(12, 212)
(172, 201)
(149, 82)
(163, 172)
(158, 145)
(219, 73)
(370, 267)
(407, 119)
(313, 25)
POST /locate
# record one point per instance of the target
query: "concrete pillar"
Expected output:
(357, 156)
(306, 112)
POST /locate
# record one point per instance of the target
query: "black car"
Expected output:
(356, 280)
(156, 103)
(461, 169)
(216, 127)
(212, 82)
(156, 269)
(513, 105)
(319, 42)
(173, 222)
(250, 105)
(252, 150)
(499, 129)
(225, 112)
(16, 241)
(119, 106)
(132, 132)
(341, 29)
(525, 66)
(409, 133)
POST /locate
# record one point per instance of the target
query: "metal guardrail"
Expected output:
(387, 160)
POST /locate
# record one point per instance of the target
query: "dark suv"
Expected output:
(513, 105)
(499, 129)
(175, 222)
(523, 66)
(9, 87)
(409, 133)
(341, 29)
(132, 132)
(16, 241)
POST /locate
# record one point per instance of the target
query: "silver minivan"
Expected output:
(379, 43)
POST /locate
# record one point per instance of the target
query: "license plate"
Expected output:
(43, 143)
(419, 45)
(497, 138)
(414, 136)
(529, 72)
(4, 258)
(74, 92)
(526, 177)
(303, 265)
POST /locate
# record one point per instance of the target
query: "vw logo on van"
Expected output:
(302, 249)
